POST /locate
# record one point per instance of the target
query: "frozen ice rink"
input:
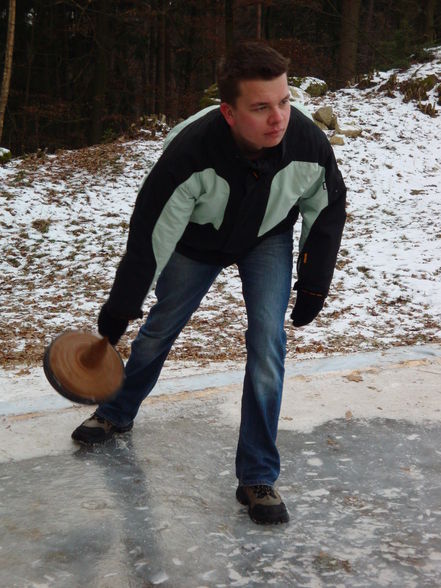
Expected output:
(360, 445)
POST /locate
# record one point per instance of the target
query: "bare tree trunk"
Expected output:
(100, 75)
(429, 33)
(229, 24)
(347, 61)
(30, 56)
(162, 58)
(8, 64)
(368, 53)
(145, 76)
(153, 63)
(171, 87)
(268, 22)
(259, 20)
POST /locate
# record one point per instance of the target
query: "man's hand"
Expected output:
(110, 326)
(307, 307)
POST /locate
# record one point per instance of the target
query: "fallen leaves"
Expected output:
(64, 226)
(354, 377)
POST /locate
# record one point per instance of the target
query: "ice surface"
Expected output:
(152, 509)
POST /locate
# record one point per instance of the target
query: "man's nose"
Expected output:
(276, 116)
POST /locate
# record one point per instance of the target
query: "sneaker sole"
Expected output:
(280, 520)
(85, 439)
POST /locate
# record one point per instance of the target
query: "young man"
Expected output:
(228, 190)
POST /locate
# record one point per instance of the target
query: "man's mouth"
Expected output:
(274, 132)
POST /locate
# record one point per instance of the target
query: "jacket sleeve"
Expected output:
(323, 218)
(161, 214)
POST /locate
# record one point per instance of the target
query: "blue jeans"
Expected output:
(265, 273)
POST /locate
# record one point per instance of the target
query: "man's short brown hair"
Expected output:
(248, 61)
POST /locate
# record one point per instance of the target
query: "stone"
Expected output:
(299, 95)
(210, 97)
(313, 86)
(325, 115)
(321, 125)
(317, 88)
(5, 155)
(334, 123)
(348, 130)
(337, 140)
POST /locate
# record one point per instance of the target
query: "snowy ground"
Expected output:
(64, 221)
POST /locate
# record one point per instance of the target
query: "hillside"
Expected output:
(64, 221)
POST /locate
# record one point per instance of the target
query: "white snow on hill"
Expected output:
(64, 221)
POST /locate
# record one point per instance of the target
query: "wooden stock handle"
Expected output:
(95, 353)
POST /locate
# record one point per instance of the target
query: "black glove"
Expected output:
(111, 326)
(306, 308)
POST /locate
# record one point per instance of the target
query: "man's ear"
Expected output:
(227, 111)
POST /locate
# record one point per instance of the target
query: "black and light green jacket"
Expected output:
(205, 200)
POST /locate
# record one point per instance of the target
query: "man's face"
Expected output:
(260, 116)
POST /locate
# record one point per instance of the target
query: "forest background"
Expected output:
(87, 71)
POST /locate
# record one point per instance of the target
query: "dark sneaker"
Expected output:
(265, 505)
(97, 430)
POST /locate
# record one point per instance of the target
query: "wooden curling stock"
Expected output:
(83, 367)
(95, 353)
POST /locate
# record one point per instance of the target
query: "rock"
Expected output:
(317, 88)
(334, 123)
(313, 86)
(354, 377)
(210, 97)
(5, 155)
(295, 81)
(321, 125)
(350, 131)
(326, 115)
(299, 95)
(337, 140)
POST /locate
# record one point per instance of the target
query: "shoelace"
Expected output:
(263, 490)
